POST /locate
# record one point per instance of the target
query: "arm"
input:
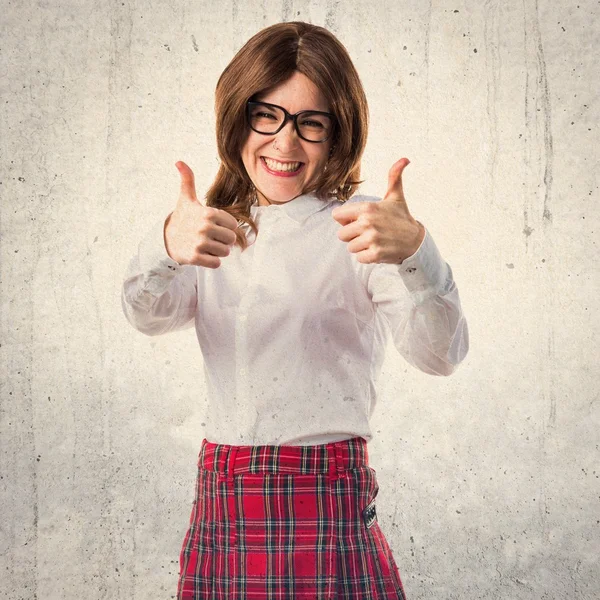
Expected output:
(420, 302)
(158, 294)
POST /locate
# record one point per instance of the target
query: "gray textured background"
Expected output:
(489, 478)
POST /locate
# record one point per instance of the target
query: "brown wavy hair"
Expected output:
(268, 59)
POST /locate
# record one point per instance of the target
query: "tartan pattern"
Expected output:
(286, 523)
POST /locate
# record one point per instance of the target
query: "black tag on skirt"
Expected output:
(369, 514)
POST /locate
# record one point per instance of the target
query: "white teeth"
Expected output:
(277, 166)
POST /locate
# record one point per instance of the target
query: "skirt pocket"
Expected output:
(195, 558)
(285, 535)
(372, 552)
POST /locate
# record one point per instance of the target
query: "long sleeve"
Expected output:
(420, 301)
(158, 294)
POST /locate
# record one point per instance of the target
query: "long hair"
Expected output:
(266, 60)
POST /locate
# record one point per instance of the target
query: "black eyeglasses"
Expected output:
(310, 125)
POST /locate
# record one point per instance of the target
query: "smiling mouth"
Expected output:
(282, 167)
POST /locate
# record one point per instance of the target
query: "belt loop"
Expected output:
(332, 461)
(339, 457)
(201, 454)
(230, 465)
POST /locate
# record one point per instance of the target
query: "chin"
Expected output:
(279, 196)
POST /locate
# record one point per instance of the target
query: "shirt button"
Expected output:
(243, 317)
(242, 371)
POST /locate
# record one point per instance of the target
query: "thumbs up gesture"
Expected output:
(384, 231)
(196, 234)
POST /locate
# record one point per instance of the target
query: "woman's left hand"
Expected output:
(384, 231)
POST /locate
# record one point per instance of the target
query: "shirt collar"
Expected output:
(299, 209)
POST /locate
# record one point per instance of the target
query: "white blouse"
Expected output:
(293, 330)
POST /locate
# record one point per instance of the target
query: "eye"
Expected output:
(310, 123)
(263, 114)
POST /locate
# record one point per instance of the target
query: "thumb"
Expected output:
(188, 184)
(395, 189)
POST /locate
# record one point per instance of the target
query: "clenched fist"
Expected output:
(196, 234)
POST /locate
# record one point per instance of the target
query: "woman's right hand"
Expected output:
(196, 234)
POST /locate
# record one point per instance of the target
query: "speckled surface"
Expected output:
(489, 478)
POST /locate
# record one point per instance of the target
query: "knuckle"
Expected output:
(210, 212)
(204, 227)
(372, 236)
(368, 220)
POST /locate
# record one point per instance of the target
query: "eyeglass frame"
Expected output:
(290, 117)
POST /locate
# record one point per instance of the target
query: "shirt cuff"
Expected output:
(153, 255)
(425, 269)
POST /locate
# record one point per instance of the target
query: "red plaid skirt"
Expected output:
(283, 522)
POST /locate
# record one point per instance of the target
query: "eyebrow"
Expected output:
(255, 99)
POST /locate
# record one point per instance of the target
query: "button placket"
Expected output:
(242, 337)
(241, 341)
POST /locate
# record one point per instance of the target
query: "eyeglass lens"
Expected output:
(267, 119)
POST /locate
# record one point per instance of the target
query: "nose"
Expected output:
(287, 139)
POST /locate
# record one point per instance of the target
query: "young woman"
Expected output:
(293, 284)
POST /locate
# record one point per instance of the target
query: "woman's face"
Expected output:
(296, 94)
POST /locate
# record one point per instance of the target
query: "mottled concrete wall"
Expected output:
(489, 478)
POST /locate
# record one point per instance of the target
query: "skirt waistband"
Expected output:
(324, 458)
